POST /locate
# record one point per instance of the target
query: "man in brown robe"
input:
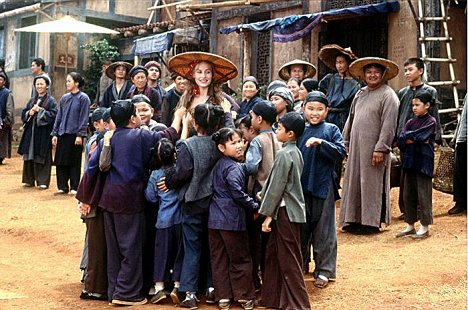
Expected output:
(368, 136)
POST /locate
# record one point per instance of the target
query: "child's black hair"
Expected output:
(246, 121)
(121, 112)
(293, 121)
(162, 154)
(426, 97)
(208, 117)
(225, 134)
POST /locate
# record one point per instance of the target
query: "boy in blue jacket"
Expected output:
(321, 146)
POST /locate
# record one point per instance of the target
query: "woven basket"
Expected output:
(443, 176)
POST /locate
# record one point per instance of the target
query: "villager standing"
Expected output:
(154, 77)
(250, 96)
(283, 205)
(414, 71)
(38, 68)
(459, 176)
(416, 140)
(298, 69)
(368, 135)
(118, 90)
(36, 146)
(7, 108)
(69, 132)
(139, 76)
(103, 83)
(171, 99)
(340, 87)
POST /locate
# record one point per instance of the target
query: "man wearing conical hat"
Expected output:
(298, 69)
(368, 135)
(340, 86)
(120, 87)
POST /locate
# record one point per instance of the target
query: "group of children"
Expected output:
(230, 202)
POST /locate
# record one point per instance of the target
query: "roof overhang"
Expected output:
(295, 27)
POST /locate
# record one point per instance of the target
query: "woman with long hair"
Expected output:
(205, 73)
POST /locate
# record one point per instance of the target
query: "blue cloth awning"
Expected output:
(153, 44)
(295, 27)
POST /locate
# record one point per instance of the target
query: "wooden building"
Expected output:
(19, 49)
(386, 29)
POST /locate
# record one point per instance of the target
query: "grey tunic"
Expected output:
(369, 128)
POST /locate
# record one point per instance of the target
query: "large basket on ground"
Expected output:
(443, 175)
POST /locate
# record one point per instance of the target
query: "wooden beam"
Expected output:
(167, 11)
(165, 5)
(204, 6)
(251, 10)
(156, 2)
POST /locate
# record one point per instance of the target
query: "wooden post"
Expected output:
(247, 53)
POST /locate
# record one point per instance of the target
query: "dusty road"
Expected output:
(41, 239)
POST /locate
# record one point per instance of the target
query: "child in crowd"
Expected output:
(89, 192)
(416, 141)
(123, 199)
(168, 242)
(244, 124)
(293, 86)
(283, 205)
(321, 146)
(100, 128)
(229, 247)
(283, 100)
(258, 162)
(263, 147)
(146, 112)
(196, 157)
(172, 97)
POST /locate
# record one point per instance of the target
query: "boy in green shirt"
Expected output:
(284, 208)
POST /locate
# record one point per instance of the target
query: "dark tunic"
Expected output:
(418, 165)
(405, 109)
(161, 91)
(320, 191)
(35, 144)
(170, 101)
(418, 157)
(37, 129)
(247, 105)
(340, 94)
(111, 94)
(6, 120)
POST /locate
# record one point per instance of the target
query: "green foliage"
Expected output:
(99, 52)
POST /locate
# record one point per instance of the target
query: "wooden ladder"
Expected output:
(423, 39)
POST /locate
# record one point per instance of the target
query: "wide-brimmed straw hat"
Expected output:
(329, 52)
(183, 65)
(310, 69)
(356, 68)
(110, 71)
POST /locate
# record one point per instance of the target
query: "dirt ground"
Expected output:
(41, 238)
